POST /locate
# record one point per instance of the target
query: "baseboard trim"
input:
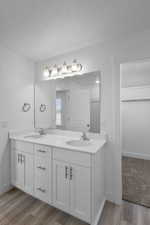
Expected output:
(136, 155)
(109, 197)
(6, 189)
(99, 213)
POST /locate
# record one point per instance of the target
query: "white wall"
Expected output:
(45, 93)
(71, 84)
(135, 74)
(135, 109)
(136, 128)
(108, 58)
(16, 87)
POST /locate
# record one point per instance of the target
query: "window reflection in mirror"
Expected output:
(58, 111)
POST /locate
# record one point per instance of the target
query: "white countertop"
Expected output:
(59, 141)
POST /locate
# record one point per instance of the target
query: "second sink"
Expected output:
(78, 143)
(35, 136)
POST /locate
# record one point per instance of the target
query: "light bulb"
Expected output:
(64, 68)
(76, 67)
(97, 81)
(54, 71)
(46, 72)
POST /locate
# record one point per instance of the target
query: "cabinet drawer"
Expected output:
(69, 156)
(42, 150)
(23, 146)
(41, 164)
(42, 193)
(42, 178)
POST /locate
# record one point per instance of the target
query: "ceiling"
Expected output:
(41, 29)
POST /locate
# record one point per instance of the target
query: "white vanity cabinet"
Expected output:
(72, 183)
(80, 192)
(31, 169)
(72, 189)
(17, 169)
(22, 166)
(28, 173)
(61, 185)
(43, 173)
(68, 179)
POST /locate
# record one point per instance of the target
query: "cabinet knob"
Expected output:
(18, 158)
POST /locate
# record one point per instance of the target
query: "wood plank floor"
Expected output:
(18, 208)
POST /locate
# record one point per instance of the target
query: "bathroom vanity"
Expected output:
(61, 168)
(62, 171)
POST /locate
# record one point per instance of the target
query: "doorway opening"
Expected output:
(135, 131)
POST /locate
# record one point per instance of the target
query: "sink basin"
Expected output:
(78, 143)
(36, 136)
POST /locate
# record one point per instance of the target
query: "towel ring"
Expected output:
(26, 107)
(42, 108)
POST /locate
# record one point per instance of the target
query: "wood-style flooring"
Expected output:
(18, 208)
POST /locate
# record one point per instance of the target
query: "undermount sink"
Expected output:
(78, 143)
(33, 136)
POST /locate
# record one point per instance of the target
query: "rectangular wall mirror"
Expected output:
(72, 103)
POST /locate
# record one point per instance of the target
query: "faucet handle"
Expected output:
(84, 136)
(41, 131)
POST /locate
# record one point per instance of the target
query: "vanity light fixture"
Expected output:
(62, 71)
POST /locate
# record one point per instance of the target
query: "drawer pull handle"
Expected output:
(70, 173)
(19, 158)
(42, 151)
(66, 172)
(41, 189)
(22, 159)
(41, 168)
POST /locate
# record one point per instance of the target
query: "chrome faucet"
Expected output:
(41, 131)
(84, 136)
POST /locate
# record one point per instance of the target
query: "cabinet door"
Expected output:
(28, 161)
(80, 192)
(17, 169)
(61, 185)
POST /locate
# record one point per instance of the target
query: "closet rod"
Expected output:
(135, 100)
